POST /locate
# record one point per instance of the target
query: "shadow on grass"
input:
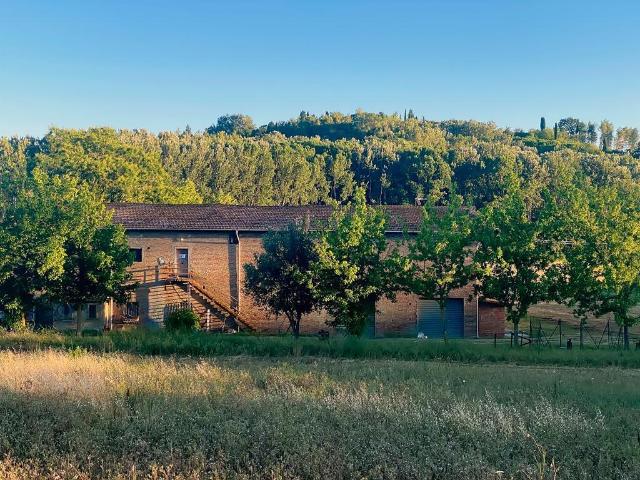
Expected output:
(145, 342)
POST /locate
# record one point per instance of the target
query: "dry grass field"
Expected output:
(81, 415)
(547, 315)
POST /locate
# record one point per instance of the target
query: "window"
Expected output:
(136, 253)
(132, 310)
(93, 311)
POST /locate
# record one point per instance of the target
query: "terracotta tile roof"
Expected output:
(140, 216)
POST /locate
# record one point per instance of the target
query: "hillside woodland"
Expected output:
(316, 159)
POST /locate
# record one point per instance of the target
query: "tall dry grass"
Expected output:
(84, 415)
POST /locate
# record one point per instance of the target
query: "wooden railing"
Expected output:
(224, 300)
(157, 273)
(170, 272)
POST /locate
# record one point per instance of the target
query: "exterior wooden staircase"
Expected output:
(217, 311)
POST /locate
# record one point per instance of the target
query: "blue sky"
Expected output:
(162, 65)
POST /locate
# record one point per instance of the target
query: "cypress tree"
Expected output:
(543, 124)
(555, 131)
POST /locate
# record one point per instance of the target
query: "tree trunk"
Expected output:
(79, 320)
(625, 330)
(443, 322)
(294, 322)
(581, 334)
(296, 329)
(516, 333)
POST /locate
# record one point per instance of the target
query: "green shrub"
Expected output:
(184, 319)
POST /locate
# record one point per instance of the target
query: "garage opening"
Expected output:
(429, 322)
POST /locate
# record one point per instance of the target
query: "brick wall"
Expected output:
(397, 318)
(262, 320)
(210, 255)
(213, 256)
(492, 319)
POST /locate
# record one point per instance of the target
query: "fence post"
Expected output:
(609, 333)
(560, 327)
(539, 335)
(495, 340)
(208, 316)
(581, 335)
(512, 339)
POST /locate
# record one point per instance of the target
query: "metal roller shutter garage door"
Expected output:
(429, 318)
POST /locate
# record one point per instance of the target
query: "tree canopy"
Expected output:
(281, 277)
(354, 268)
(319, 158)
(57, 242)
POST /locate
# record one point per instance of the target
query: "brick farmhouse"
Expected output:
(193, 255)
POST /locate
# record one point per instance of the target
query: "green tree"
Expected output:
(35, 225)
(440, 254)
(281, 279)
(606, 135)
(119, 171)
(39, 235)
(626, 138)
(340, 176)
(543, 124)
(572, 127)
(95, 265)
(592, 133)
(354, 269)
(16, 165)
(513, 253)
(234, 123)
(600, 271)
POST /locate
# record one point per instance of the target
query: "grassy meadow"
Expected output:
(75, 413)
(161, 342)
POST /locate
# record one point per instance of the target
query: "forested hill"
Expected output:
(312, 159)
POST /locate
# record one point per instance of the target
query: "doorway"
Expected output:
(182, 255)
(429, 322)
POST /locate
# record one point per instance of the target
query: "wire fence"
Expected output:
(564, 334)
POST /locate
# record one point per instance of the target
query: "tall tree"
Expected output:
(572, 127)
(234, 123)
(33, 231)
(281, 278)
(95, 265)
(39, 235)
(626, 138)
(513, 253)
(354, 269)
(606, 135)
(600, 273)
(543, 124)
(119, 171)
(440, 254)
(340, 176)
(592, 133)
